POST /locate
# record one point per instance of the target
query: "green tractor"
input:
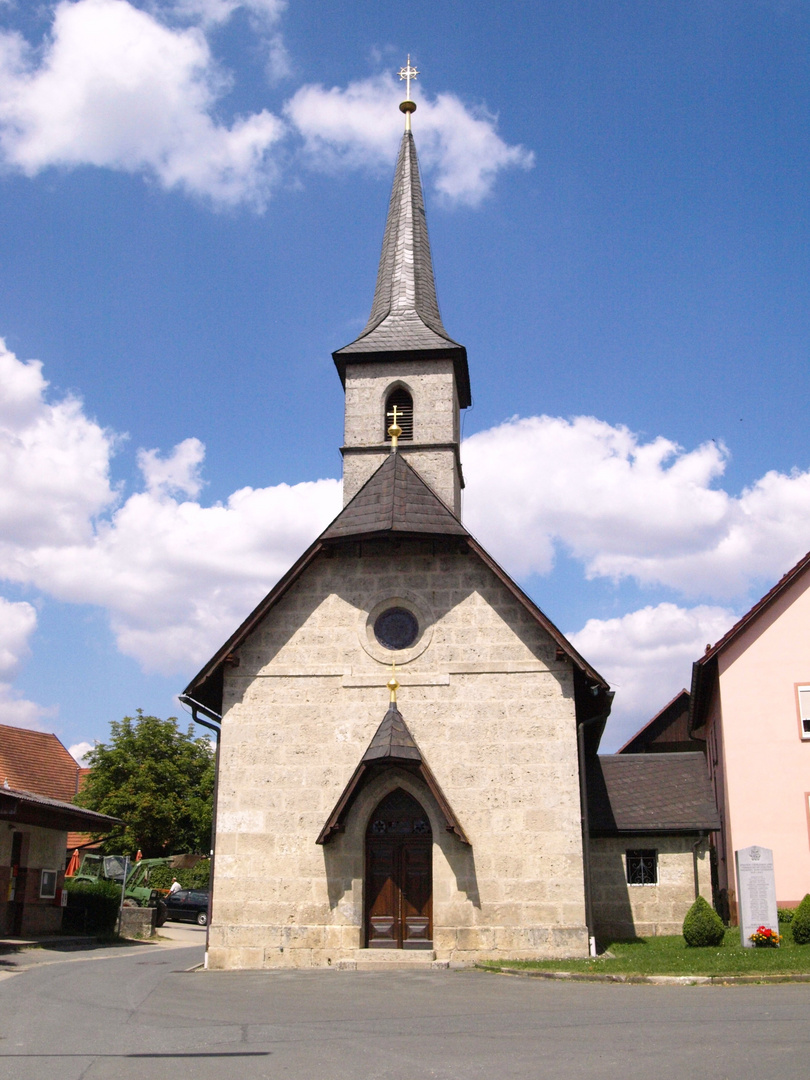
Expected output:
(138, 891)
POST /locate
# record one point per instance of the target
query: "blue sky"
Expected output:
(192, 198)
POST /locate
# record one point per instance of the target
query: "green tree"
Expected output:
(158, 780)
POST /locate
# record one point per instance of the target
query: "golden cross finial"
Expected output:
(393, 683)
(394, 430)
(407, 106)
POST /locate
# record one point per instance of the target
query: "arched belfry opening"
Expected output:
(403, 401)
(399, 875)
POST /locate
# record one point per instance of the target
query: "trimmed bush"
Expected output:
(702, 925)
(785, 914)
(800, 923)
(92, 907)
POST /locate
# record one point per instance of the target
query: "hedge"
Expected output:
(92, 907)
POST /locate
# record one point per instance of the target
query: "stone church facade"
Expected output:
(438, 819)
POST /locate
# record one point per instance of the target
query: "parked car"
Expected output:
(185, 905)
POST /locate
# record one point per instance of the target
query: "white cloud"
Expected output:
(647, 658)
(139, 91)
(116, 88)
(176, 577)
(215, 12)
(54, 462)
(79, 752)
(179, 472)
(18, 620)
(360, 126)
(628, 508)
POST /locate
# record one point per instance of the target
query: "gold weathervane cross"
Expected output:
(407, 106)
(393, 682)
(394, 430)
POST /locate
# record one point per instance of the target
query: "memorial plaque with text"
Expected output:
(756, 891)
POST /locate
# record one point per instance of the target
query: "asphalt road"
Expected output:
(137, 1012)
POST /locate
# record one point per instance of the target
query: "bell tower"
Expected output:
(404, 357)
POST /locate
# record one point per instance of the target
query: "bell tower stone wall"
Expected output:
(434, 449)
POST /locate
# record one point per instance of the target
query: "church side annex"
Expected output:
(434, 814)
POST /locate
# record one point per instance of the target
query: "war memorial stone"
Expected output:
(756, 891)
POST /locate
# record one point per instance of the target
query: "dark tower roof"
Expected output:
(395, 499)
(405, 320)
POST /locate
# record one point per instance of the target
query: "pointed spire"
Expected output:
(405, 315)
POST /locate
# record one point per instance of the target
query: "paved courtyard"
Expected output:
(138, 1012)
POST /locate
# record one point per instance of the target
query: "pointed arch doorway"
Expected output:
(399, 875)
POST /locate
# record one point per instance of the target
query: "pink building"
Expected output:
(751, 703)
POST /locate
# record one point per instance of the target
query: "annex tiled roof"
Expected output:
(638, 793)
(405, 312)
(36, 761)
(394, 500)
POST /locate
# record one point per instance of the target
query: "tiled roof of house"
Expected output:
(784, 582)
(405, 315)
(705, 668)
(638, 793)
(37, 761)
(667, 731)
(52, 813)
(394, 499)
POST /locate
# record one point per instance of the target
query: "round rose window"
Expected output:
(396, 628)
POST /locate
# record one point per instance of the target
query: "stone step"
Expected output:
(391, 960)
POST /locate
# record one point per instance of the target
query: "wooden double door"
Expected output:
(399, 875)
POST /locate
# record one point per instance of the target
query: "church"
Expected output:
(404, 734)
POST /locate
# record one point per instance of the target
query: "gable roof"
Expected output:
(704, 670)
(394, 500)
(391, 744)
(666, 732)
(650, 793)
(405, 317)
(382, 508)
(37, 761)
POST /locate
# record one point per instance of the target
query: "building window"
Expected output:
(396, 628)
(47, 885)
(804, 710)
(642, 867)
(404, 403)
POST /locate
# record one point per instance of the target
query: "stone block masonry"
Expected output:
(492, 711)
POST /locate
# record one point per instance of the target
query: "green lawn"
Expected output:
(672, 956)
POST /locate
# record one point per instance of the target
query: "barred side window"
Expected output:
(642, 867)
(404, 404)
(804, 710)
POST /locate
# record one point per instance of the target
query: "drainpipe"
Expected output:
(695, 846)
(586, 831)
(197, 708)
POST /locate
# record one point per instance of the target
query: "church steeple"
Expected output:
(405, 311)
(405, 349)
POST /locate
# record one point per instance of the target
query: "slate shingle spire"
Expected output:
(405, 319)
